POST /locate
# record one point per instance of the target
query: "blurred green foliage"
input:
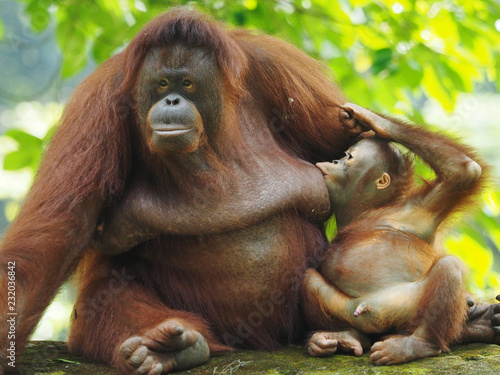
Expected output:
(386, 55)
(382, 52)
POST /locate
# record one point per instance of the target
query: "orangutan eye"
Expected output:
(348, 155)
(163, 84)
(187, 84)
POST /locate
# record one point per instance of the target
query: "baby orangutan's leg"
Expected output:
(376, 312)
(438, 321)
(332, 300)
(323, 344)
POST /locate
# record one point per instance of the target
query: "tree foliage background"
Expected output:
(427, 61)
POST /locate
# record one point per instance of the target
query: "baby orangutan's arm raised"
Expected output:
(458, 176)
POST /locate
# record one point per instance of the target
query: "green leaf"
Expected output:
(467, 36)
(27, 154)
(1, 29)
(25, 140)
(381, 60)
(17, 160)
(434, 87)
(448, 77)
(410, 73)
(73, 41)
(331, 228)
(104, 47)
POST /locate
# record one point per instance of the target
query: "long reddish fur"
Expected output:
(86, 166)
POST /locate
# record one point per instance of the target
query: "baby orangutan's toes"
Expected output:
(400, 349)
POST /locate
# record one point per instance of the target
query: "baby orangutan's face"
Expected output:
(350, 175)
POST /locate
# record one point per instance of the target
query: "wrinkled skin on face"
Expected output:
(179, 92)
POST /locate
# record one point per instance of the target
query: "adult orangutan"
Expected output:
(187, 158)
(409, 287)
(206, 138)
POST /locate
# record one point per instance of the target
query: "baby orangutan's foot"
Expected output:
(483, 323)
(163, 349)
(323, 344)
(401, 349)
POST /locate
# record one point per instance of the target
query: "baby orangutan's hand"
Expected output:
(350, 123)
(366, 120)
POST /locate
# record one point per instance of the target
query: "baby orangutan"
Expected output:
(383, 272)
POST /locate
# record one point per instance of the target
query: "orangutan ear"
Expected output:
(384, 181)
